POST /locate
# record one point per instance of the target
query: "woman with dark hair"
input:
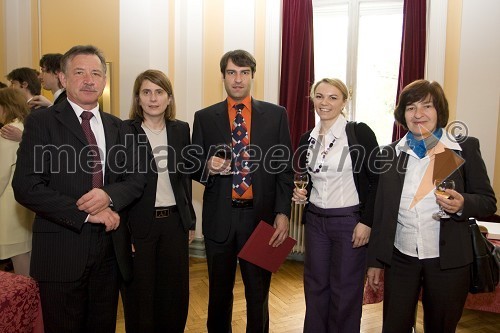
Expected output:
(162, 221)
(417, 249)
(15, 220)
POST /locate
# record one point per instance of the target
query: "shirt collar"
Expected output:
(336, 131)
(247, 101)
(57, 93)
(78, 111)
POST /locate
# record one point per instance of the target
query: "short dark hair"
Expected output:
(418, 91)
(51, 62)
(160, 79)
(240, 58)
(3, 85)
(28, 75)
(82, 49)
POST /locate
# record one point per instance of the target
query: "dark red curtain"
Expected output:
(297, 66)
(412, 60)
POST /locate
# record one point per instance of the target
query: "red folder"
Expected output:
(258, 251)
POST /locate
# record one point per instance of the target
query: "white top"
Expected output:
(159, 143)
(417, 233)
(98, 129)
(333, 185)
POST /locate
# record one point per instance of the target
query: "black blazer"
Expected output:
(140, 214)
(364, 150)
(61, 98)
(272, 180)
(50, 177)
(455, 247)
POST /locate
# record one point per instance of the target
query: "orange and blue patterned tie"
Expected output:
(242, 178)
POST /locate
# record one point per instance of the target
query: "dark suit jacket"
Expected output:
(455, 247)
(272, 180)
(141, 213)
(61, 98)
(50, 177)
(363, 149)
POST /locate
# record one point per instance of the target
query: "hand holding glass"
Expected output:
(224, 151)
(442, 185)
(301, 180)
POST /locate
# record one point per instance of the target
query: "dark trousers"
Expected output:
(443, 294)
(222, 261)
(89, 304)
(157, 298)
(333, 271)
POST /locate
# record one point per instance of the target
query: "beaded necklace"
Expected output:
(312, 143)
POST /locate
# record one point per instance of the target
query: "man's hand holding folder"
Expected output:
(258, 250)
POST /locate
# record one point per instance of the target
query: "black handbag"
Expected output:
(486, 262)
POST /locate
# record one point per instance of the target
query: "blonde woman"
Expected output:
(340, 160)
(15, 220)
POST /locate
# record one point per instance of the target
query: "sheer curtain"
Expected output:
(412, 63)
(297, 66)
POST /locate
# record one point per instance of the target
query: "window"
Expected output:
(359, 42)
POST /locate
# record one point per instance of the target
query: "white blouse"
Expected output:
(333, 185)
(417, 233)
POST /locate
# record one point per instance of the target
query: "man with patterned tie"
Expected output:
(253, 184)
(75, 170)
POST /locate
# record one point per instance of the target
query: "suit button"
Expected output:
(442, 242)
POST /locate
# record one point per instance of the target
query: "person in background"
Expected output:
(340, 158)
(50, 67)
(416, 250)
(240, 194)
(76, 171)
(26, 81)
(15, 220)
(162, 221)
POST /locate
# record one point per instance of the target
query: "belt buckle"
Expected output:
(162, 213)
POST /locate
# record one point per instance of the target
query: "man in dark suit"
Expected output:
(255, 184)
(76, 174)
(50, 67)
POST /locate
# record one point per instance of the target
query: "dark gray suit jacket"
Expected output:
(51, 176)
(455, 247)
(272, 180)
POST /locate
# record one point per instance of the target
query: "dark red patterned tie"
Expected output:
(94, 149)
(242, 179)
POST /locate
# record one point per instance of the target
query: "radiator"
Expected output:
(296, 230)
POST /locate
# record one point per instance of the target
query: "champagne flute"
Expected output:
(301, 180)
(442, 185)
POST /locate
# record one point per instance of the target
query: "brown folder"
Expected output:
(258, 251)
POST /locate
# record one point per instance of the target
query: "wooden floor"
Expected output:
(286, 305)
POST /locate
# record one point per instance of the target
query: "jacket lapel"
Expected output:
(65, 114)
(222, 121)
(173, 152)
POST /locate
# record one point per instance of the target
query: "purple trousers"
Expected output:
(334, 271)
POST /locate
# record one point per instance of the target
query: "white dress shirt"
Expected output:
(333, 185)
(97, 127)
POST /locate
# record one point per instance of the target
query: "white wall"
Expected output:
(18, 34)
(479, 75)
